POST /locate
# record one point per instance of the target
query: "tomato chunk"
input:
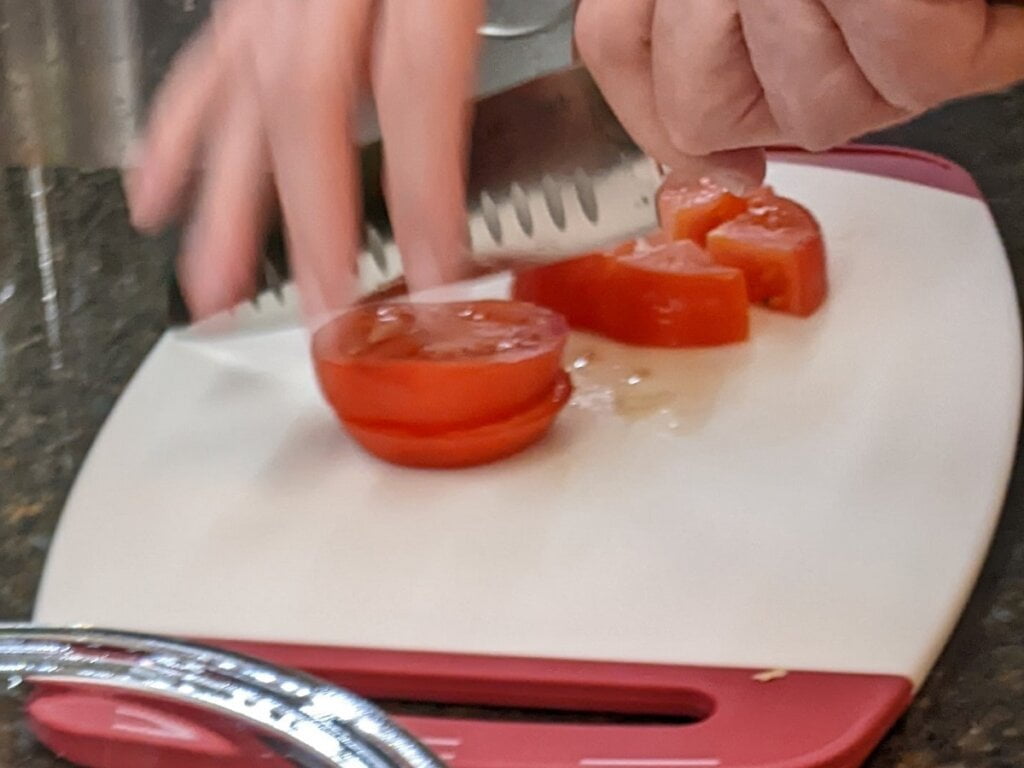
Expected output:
(571, 287)
(690, 212)
(779, 247)
(649, 293)
(464, 447)
(675, 296)
(464, 378)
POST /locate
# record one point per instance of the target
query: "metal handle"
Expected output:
(335, 725)
(500, 30)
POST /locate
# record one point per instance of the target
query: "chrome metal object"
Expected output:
(334, 725)
(76, 76)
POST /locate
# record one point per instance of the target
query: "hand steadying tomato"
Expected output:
(443, 385)
(648, 293)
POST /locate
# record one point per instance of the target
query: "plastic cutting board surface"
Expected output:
(820, 498)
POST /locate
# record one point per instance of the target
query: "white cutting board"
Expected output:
(819, 498)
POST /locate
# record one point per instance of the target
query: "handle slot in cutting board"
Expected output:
(637, 713)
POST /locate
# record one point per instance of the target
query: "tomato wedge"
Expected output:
(648, 293)
(443, 384)
(779, 247)
(675, 296)
(690, 212)
(464, 447)
(571, 287)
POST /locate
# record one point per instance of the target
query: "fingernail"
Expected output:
(735, 182)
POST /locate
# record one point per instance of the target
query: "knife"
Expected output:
(552, 173)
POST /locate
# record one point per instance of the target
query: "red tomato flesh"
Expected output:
(675, 296)
(464, 447)
(690, 212)
(779, 247)
(571, 287)
(456, 364)
(648, 293)
(444, 385)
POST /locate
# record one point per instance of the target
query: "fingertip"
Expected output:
(133, 182)
(426, 267)
(739, 171)
(150, 208)
(211, 282)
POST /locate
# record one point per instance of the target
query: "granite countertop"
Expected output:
(78, 314)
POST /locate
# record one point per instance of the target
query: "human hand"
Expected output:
(265, 100)
(702, 84)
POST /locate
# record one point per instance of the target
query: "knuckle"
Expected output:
(919, 78)
(917, 93)
(814, 136)
(804, 124)
(694, 125)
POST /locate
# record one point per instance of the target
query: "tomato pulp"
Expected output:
(690, 212)
(778, 245)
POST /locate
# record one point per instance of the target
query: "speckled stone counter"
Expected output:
(79, 310)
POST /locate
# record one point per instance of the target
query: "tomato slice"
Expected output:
(690, 212)
(452, 365)
(450, 449)
(779, 246)
(648, 293)
(675, 296)
(572, 287)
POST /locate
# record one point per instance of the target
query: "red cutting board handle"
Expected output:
(797, 720)
(743, 718)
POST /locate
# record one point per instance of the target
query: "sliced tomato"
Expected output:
(690, 212)
(451, 365)
(449, 449)
(573, 288)
(675, 296)
(649, 293)
(779, 246)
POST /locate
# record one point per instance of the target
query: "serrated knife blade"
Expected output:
(552, 173)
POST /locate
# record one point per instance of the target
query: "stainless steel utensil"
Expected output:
(76, 76)
(335, 727)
